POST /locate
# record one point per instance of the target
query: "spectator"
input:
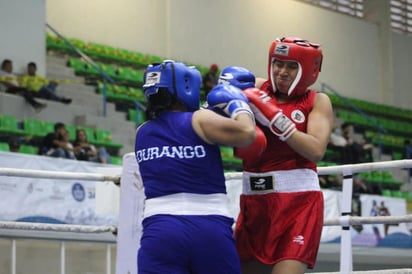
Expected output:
(69, 146)
(84, 151)
(359, 187)
(41, 86)
(384, 211)
(336, 138)
(337, 143)
(352, 152)
(12, 85)
(14, 145)
(331, 181)
(55, 144)
(407, 154)
(210, 78)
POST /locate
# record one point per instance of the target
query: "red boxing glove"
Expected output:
(268, 114)
(253, 150)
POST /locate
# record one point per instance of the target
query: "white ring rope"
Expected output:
(354, 168)
(386, 271)
(357, 220)
(57, 227)
(341, 221)
(347, 169)
(33, 173)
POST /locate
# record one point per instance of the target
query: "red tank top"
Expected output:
(278, 155)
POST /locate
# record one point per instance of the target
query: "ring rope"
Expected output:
(357, 220)
(347, 169)
(32, 173)
(354, 168)
(385, 271)
(342, 221)
(57, 227)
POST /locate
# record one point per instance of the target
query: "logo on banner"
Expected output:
(78, 192)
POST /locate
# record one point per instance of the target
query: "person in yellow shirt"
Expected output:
(41, 86)
(9, 84)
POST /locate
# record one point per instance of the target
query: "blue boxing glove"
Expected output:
(237, 76)
(228, 101)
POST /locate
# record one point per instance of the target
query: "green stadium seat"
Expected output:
(72, 131)
(133, 76)
(77, 65)
(101, 51)
(26, 149)
(228, 157)
(78, 43)
(9, 125)
(103, 136)
(33, 127)
(386, 192)
(136, 116)
(116, 160)
(397, 194)
(137, 93)
(54, 42)
(109, 70)
(397, 155)
(407, 195)
(4, 146)
(47, 127)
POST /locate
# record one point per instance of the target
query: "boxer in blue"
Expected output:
(187, 228)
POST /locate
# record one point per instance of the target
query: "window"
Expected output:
(401, 16)
(400, 10)
(350, 7)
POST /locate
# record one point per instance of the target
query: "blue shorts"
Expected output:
(177, 244)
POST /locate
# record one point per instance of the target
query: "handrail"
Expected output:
(138, 106)
(378, 127)
(106, 78)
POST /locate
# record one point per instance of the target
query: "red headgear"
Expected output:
(308, 56)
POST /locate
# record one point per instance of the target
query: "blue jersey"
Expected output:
(174, 159)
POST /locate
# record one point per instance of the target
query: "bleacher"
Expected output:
(126, 69)
(389, 138)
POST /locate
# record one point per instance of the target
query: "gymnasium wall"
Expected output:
(22, 33)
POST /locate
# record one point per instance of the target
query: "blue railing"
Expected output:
(106, 78)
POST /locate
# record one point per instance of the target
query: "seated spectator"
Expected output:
(210, 78)
(69, 146)
(41, 86)
(11, 85)
(407, 154)
(55, 144)
(14, 145)
(360, 186)
(85, 151)
(331, 181)
(337, 143)
(352, 152)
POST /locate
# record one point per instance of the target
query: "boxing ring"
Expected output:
(345, 220)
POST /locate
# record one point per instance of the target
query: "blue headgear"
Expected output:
(181, 81)
(238, 77)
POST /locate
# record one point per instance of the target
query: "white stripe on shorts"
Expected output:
(188, 204)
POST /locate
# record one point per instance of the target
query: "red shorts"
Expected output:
(280, 226)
